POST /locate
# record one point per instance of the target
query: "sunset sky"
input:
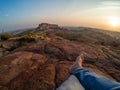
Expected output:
(18, 14)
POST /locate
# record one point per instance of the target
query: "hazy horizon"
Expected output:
(18, 14)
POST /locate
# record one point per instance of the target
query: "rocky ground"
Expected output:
(43, 65)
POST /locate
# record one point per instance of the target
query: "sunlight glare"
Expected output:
(114, 21)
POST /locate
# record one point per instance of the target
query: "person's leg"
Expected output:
(90, 80)
(71, 83)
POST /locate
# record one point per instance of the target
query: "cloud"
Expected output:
(111, 3)
(104, 8)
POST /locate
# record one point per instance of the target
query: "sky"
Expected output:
(18, 14)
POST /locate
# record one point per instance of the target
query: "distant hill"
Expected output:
(115, 34)
(15, 32)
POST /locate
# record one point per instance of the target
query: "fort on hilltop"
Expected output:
(47, 26)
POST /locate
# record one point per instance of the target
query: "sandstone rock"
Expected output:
(43, 65)
(19, 81)
(62, 71)
(13, 65)
(42, 79)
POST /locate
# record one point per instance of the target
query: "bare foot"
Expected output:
(77, 64)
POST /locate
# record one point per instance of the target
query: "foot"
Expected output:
(77, 64)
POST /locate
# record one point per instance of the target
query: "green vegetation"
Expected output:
(25, 40)
(5, 36)
(30, 37)
(35, 35)
(10, 42)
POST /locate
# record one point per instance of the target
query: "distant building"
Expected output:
(46, 26)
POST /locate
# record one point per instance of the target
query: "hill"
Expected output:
(42, 63)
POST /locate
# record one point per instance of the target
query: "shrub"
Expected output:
(25, 40)
(5, 36)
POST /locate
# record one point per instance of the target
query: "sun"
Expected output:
(114, 21)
